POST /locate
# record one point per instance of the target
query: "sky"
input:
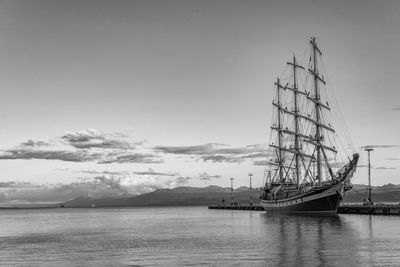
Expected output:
(105, 98)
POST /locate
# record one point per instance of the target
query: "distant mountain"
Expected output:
(180, 196)
(188, 196)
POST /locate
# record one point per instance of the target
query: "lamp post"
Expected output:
(369, 149)
(232, 190)
(251, 197)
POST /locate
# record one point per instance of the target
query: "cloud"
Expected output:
(179, 181)
(221, 158)
(396, 108)
(380, 146)
(124, 173)
(110, 148)
(152, 172)
(32, 143)
(260, 162)
(94, 139)
(84, 146)
(209, 149)
(12, 184)
(385, 168)
(64, 155)
(104, 172)
(132, 158)
(81, 155)
(206, 177)
(392, 159)
(376, 168)
(187, 150)
(216, 152)
(256, 155)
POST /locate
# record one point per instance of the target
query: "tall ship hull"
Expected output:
(324, 201)
(305, 172)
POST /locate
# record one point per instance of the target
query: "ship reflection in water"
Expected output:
(310, 240)
(330, 240)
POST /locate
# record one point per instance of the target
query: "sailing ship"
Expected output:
(305, 172)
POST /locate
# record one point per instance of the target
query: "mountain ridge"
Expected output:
(190, 196)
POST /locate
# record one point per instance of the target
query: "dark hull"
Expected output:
(324, 201)
(327, 204)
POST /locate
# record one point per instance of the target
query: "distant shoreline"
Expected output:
(204, 196)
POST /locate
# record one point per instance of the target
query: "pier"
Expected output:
(237, 207)
(376, 209)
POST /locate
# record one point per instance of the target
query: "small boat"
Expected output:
(305, 172)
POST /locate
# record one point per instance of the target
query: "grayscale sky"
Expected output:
(114, 97)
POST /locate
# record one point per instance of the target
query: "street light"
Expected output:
(369, 149)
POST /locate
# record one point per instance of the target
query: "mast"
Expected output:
(281, 149)
(296, 119)
(317, 107)
(278, 87)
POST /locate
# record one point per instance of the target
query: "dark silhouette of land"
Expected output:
(211, 195)
(191, 196)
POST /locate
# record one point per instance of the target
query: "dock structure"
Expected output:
(376, 209)
(237, 207)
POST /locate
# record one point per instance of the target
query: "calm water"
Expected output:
(184, 236)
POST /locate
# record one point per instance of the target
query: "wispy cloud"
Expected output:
(149, 172)
(260, 162)
(210, 149)
(32, 143)
(376, 168)
(206, 177)
(182, 180)
(392, 159)
(94, 139)
(216, 152)
(84, 146)
(152, 172)
(221, 158)
(13, 184)
(64, 155)
(256, 155)
(396, 108)
(380, 146)
(188, 150)
(132, 158)
(112, 148)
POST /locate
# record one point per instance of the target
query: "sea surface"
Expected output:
(191, 236)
